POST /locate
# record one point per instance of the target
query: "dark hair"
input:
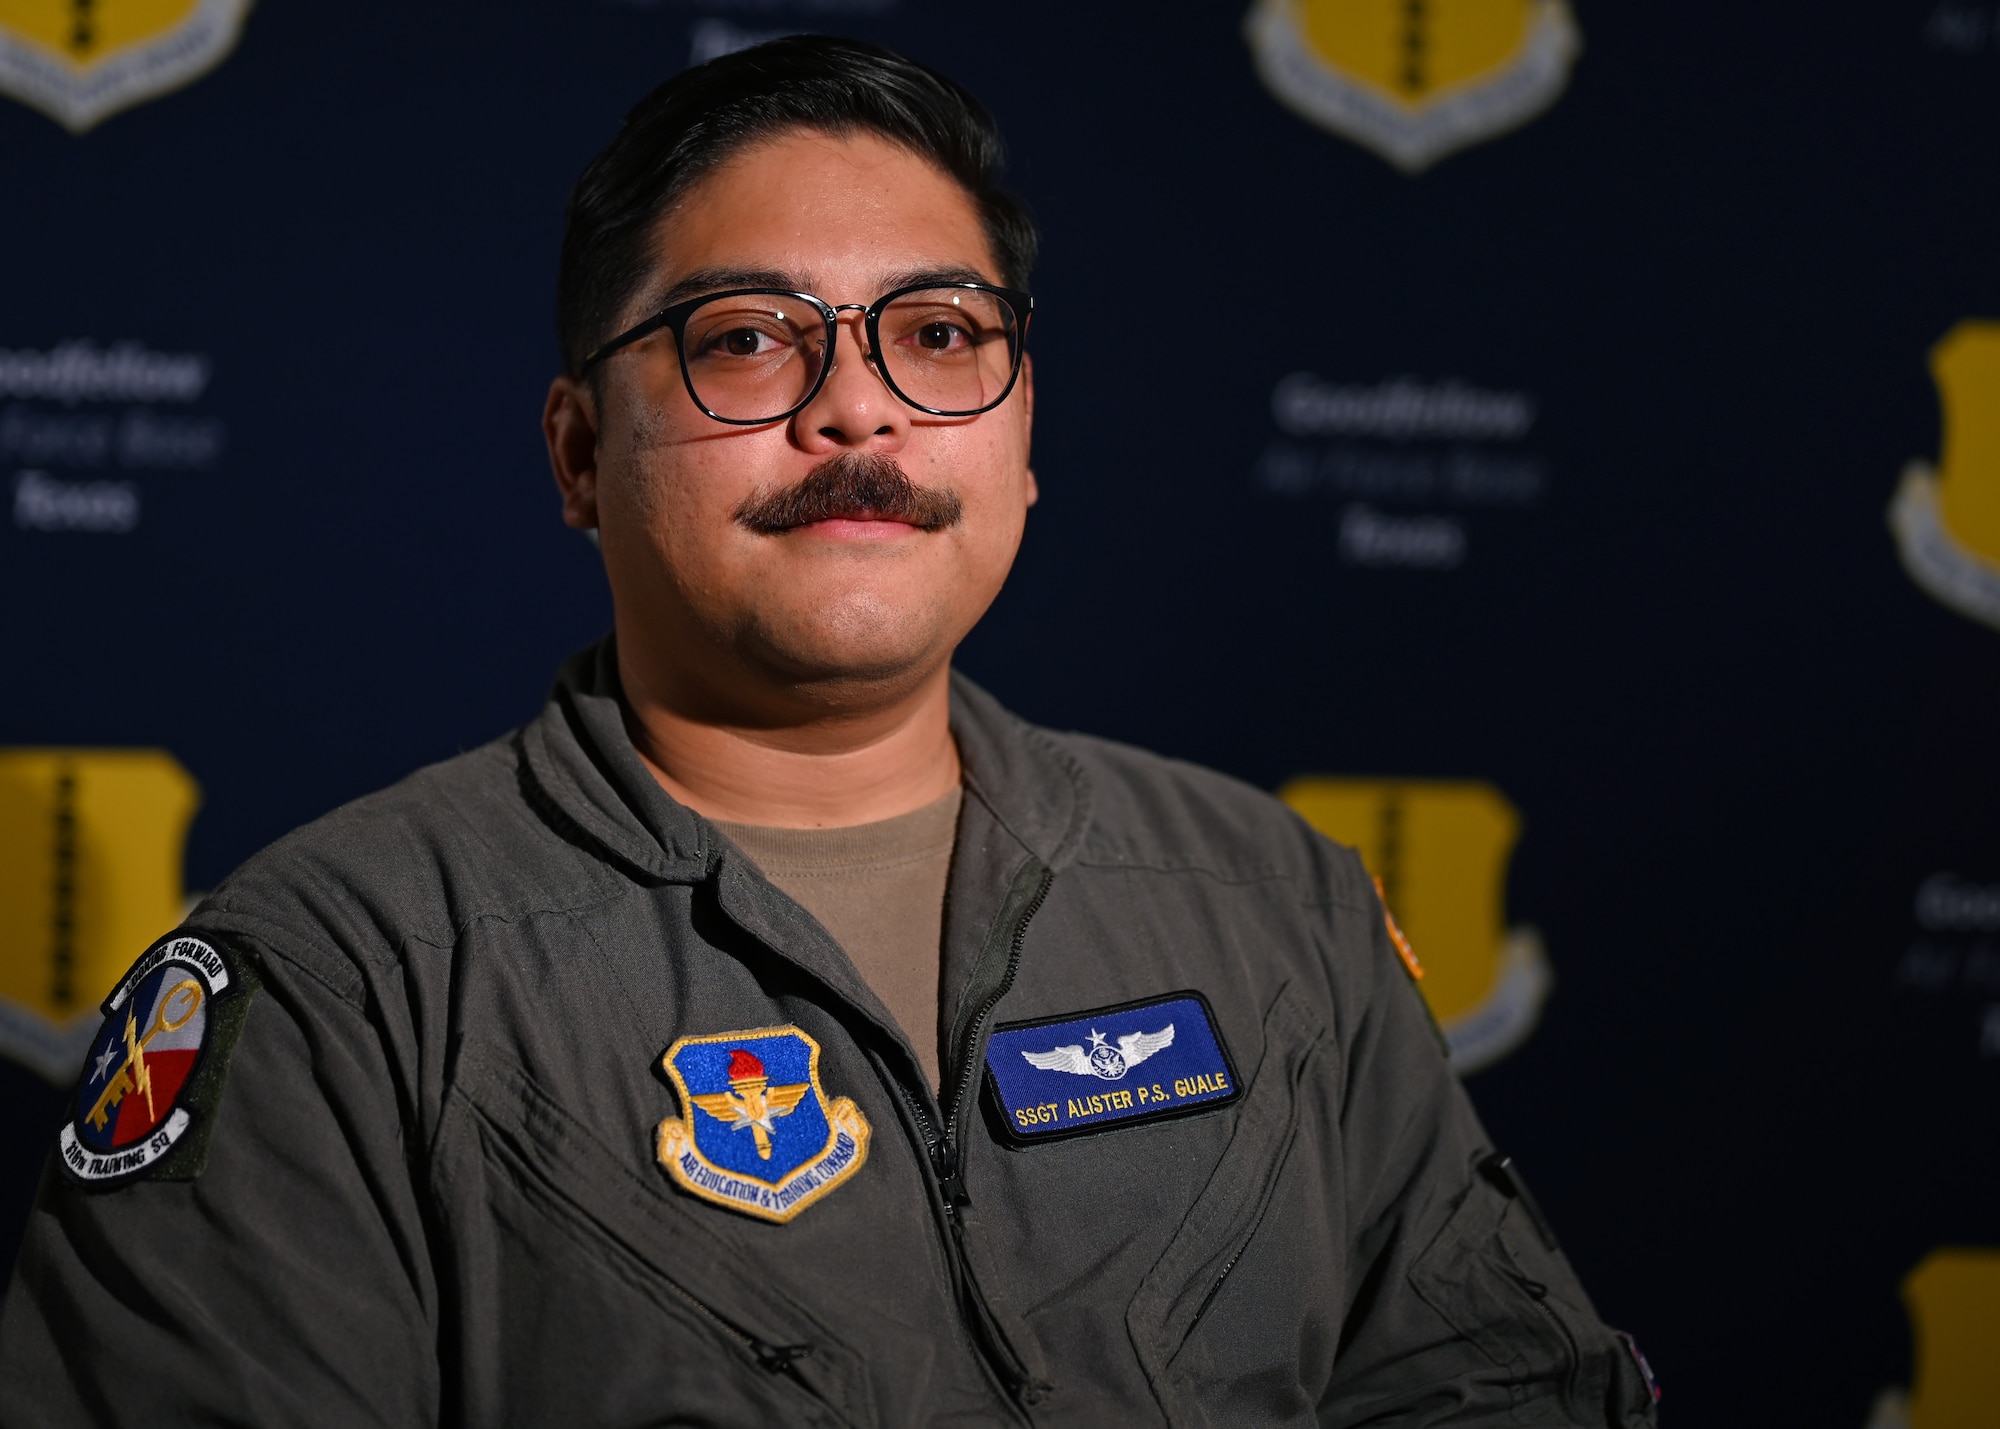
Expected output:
(699, 118)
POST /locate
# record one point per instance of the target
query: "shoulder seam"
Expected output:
(1245, 876)
(347, 984)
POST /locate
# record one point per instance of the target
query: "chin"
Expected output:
(861, 639)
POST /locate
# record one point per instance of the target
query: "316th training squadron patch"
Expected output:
(756, 1133)
(149, 1077)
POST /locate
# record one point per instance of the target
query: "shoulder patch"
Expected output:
(1403, 949)
(757, 1133)
(154, 1073)
(1150, 1060)
(1411, 966)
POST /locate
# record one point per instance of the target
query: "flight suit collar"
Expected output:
(1031, 785)
(1026, 810)
(578, 758)
(1027, 805)
(592, 785)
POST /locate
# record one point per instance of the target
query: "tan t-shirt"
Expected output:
(879, 889)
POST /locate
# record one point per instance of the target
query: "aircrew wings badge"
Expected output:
(756, 1132)
(172, 1016)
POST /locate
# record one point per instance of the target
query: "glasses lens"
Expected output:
(753, 357)
(949, 349)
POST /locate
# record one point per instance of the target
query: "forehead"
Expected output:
(829, 210)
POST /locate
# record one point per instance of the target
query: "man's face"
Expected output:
(721, 598)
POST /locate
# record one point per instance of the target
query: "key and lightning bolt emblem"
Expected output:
(133, 1075)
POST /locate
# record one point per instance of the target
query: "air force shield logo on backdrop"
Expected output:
(1414, 82)
(79, 61)
(1953, 1300)
(1439, 850)
(90, 848)
(757, 1134)
(1946, 518)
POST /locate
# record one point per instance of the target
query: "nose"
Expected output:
(853, 410)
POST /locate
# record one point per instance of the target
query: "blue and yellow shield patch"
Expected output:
(756, 1132)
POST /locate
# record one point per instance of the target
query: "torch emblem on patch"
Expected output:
(751, 1104)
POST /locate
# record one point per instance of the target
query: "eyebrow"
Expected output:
(717, 280)
(924, 277)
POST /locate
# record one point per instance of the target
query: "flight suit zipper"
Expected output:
(991, 979)
(939, 1125)
(1024, 900)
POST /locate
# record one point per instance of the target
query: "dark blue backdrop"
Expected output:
(1743, 736)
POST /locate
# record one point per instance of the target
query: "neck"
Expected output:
(829, 766)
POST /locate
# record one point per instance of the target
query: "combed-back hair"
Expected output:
(695, 121)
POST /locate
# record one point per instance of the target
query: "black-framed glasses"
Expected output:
(756, 355)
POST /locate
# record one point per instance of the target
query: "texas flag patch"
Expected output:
(133, 1104)
(1135, 1062)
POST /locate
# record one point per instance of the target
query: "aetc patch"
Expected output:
(757, 1134)
(1112, 1066)
(162, 1022)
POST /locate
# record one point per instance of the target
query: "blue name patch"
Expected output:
(1111, 1066)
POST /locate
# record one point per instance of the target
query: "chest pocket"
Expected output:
(585, 1295)
(1167, 1311)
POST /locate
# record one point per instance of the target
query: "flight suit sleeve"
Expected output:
(286, 1281)
(1463, 1310)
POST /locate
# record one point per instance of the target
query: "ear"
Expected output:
(1028, 419)
(569, 425)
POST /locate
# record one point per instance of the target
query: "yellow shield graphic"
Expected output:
(80, 60)
(1414, 82)
(1953, 1298)
(1946, 519)
(90, 874)
(1441, 849)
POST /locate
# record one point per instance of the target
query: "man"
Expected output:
(775, 1030)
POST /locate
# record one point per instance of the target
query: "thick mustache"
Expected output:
(853, 486)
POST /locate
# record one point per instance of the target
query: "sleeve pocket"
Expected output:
(1493, 1277)
(1477, 1277)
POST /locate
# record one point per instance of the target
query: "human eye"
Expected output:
(739, 330)
(941, 335)
(943, 324)
(934, 332)
(742, 340)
